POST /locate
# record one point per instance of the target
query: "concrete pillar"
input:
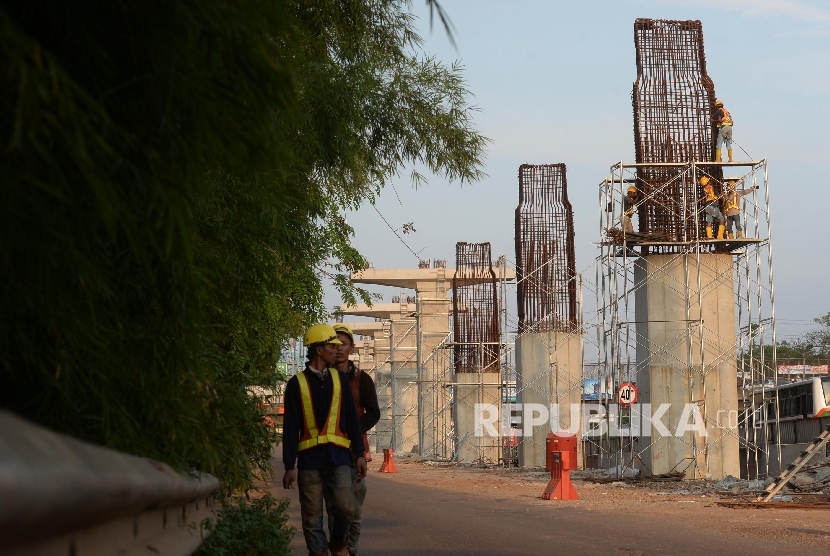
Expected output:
(686, 358)
(472, 389)
(548, 371)
(433, 328)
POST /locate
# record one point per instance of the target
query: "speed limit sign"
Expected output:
(628, 394)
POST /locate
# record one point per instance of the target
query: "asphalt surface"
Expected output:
(402, 520)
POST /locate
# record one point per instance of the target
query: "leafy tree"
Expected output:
(817, 342)
(174, 174)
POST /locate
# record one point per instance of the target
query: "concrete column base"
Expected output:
(472, 389)
(685, 318)
(548, 371)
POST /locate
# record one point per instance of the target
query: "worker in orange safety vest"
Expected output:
(723, 119)
(711, 208)
(322, 438)
(733, 208)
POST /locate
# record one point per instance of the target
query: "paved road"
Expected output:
(408, 520)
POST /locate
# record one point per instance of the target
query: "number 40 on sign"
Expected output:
(628, 394)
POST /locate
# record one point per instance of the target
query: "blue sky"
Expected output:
(552, 81)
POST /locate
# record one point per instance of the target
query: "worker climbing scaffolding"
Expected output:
(723, 119)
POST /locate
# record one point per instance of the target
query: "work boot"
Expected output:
(338, 549)
(709, 232)
(728, 235)
(740, 234)
(717, 155)
(721, 228)
(729, 152)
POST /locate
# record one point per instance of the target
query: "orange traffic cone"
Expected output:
(388, 465)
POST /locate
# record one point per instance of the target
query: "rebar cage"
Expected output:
(673, 100)
(545, 260)
(475, 310)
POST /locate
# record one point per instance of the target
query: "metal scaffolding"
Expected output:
(673, 303)
(691, 276)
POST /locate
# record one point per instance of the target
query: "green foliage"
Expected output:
(816, 342)
(251, 528)
(174, 175)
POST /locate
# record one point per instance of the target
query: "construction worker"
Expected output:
(629, 201)
(368, 410)
(723, 120)
(322, 436)
(711, 208)
(733, 208)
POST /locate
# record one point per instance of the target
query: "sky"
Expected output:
(552, 83)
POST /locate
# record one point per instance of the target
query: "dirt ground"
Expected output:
(682, 501)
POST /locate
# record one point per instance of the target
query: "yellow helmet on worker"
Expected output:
(341, 328)
(719, 102)
(632, 189)
(704, 180)
(320, 333)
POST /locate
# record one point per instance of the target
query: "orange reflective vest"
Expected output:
(710, 193)
(732, 201)
(727, 118)
(331, 432)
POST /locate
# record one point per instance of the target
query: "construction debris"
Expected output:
(618, 237)
(776, 505)
(662, 478)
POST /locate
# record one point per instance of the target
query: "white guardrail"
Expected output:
(65, 497)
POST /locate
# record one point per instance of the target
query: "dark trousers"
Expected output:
(318, 486)
(359, 488)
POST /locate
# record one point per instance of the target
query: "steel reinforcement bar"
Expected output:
(475, 309)
(545, 257)
(673, 100)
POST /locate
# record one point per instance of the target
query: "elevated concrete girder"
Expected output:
(410, 278)
(366, 328)
(377, 310)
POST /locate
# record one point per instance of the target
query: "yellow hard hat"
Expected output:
(632, 189)
(719, 102)
(320, 333)
(704, 180)
(344, 329)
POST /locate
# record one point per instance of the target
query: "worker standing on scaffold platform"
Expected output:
(320, 434)
(711, 208)
(629, 201)
(733, 208)
(723, 119)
